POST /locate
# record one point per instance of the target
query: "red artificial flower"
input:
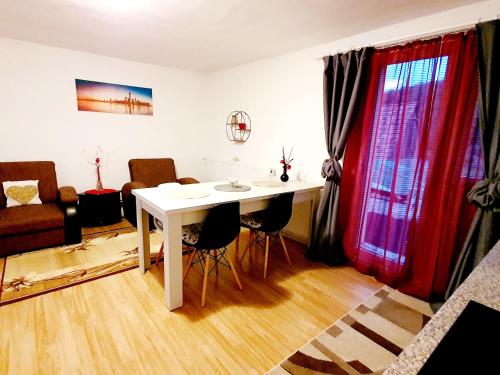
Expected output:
(289, 166)
(282, 161)
(97, 160)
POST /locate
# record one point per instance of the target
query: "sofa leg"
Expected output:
(72, 226)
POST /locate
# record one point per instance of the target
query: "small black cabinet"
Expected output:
(100, 208)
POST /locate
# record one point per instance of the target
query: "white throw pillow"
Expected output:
(21, 193)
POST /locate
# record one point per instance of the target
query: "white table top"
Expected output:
(160, 199)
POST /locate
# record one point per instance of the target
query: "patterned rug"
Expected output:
(41, 271)
(365, 341)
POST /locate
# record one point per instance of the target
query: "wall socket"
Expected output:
(272, 172)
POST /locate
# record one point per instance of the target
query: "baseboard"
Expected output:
(296, 237)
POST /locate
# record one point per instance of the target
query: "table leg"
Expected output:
(143, 237)
(172, 243)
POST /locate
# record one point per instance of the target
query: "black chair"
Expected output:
(210, 240)
(268, 224)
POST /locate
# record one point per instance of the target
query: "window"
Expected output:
(398, 166)
(417, 72)
(412, 156)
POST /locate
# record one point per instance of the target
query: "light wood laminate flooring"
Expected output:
(120, 325)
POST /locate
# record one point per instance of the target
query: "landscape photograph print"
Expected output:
(113, 98)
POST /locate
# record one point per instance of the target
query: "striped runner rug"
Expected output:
(365, 341)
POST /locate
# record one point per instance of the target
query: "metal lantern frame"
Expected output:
(238, 126)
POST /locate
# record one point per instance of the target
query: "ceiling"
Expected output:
(201, 35)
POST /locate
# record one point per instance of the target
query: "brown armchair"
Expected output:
(54, 222)
(145, 173)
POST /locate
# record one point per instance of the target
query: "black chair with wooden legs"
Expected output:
(210, 240)
(267, 225)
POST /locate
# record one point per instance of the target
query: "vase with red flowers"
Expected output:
(286, 164)
(97, 161)
(98, 169)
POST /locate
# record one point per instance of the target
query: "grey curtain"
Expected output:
(485, 228)
(342, 80)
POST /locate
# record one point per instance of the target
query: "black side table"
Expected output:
(99, 208)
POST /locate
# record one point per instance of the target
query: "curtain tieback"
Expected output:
(332, 170)
(486, 194)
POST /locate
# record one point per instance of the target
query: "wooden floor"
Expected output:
(119, 324)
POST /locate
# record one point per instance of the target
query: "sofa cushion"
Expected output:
(43, 171)
(21, 242)
(31, 218)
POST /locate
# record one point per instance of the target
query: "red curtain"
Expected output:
(412, 156)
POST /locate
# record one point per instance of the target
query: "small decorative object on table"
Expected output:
(98, 167)
(286, 164)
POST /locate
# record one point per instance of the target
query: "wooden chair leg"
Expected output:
(285, 249)
(205, 278)
(234, 272)
(189, 264)
(159, 254)
(266, 256)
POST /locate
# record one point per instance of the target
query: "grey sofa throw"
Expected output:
(485, 228)
(341, 90)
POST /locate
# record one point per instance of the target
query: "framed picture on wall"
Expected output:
(113, 98)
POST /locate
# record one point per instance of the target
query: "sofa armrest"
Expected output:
(67, 195)
(129, 186)
(72, 224)
(68, 203)
(187, 180)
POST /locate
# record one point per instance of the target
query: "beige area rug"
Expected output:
(41, 271)
(365, 341)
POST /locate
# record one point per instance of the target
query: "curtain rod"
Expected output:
(408, 39)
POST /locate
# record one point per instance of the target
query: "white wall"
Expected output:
(283, 97)
(39, 119)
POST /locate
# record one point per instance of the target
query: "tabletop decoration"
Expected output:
(232, 188)
(187, 194)
(178, 191)
(268, 183)
(286, 164)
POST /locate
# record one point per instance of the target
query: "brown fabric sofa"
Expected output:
(52, 223)
(145, 173)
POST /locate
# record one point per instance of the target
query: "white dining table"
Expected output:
(174, 211)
